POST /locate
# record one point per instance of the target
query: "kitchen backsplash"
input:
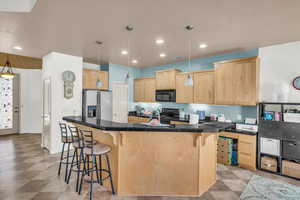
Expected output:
(233, 113)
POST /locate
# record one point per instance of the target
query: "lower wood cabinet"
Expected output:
(246, 149)
(134, 119)
(144, 90)
(178, 122)
(90, 78)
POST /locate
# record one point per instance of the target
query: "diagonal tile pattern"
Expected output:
(28, 172)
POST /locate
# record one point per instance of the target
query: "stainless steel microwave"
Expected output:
(165, 95)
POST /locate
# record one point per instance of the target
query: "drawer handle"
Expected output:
(292, 144)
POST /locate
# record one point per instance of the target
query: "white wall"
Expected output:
(30, 100)
(91, 66)
(54, 64)
(278, 67)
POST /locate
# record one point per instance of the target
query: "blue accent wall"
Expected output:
(199, 63)
(117, 75)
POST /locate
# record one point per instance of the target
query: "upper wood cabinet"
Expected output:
(90, 78)
(166, 79)
(236, 81)
(184, 93)
(144, 90)
(204, 87)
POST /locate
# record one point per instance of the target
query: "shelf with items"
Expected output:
(280, 112)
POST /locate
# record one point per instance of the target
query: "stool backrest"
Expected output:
(63, 130)
(87, 139)
(75, 135)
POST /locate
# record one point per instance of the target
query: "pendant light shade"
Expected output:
(129, 28)
(7, 71)
(189, 80)
(99, 83)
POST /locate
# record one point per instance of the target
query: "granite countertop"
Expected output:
(115, 126)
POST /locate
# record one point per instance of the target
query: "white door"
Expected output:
(9, 105)
(120, 102)
(46, 113)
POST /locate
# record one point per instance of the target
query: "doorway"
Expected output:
(9, 105)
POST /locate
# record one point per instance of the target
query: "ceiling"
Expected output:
(72, 27)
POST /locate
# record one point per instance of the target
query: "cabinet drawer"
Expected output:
(245, 158)
(245, 148)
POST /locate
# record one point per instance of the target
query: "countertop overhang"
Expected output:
(116, 126)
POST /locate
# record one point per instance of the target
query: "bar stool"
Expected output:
(66, 140)
(93, 152)
(76, 166)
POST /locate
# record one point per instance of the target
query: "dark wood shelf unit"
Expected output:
(280, 130)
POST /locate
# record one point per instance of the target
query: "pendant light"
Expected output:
(7, 71)
(99, 83)
(129, 28)
(189, 81)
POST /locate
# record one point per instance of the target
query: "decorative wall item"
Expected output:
(296, 83)
(68, 78)
(6, 103)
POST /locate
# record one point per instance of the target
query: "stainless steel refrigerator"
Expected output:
(97, 104)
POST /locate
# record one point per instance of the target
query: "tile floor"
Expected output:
(28, 172)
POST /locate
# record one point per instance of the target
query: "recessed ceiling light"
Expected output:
(162, 55)
(160, 41)
(203, 46)
(17, 48)
(124, 52)
(134, 61)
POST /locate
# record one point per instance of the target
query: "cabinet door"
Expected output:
(90, 78)
(184, 93)
(149, 90)
(247, 151)
(139, 92)
(244, 81)
(204, 83)
(224, 89)
(165, 80)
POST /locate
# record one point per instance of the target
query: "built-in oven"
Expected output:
(165, 95)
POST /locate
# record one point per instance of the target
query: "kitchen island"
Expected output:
(177, 160)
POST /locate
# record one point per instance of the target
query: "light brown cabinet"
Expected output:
(204, 87)
(184, 93)
(134, 119)
(246, 149)
(144, 90)
(178, 122)
(90, 78)
(166, 79)
(236, 81)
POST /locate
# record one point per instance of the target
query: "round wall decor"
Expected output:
(296, 83)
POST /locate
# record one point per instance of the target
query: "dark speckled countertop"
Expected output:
(115, 126)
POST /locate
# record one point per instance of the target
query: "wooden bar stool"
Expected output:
(92, 151)
(66, 140)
